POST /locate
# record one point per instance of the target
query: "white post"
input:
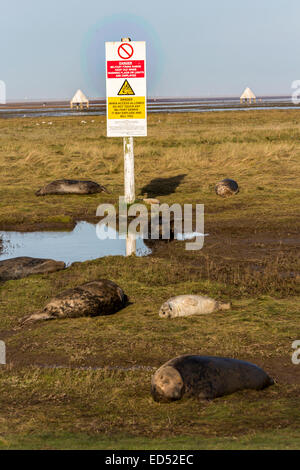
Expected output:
(130, 244)
(2, 353)
(129, 186)
(129, 170)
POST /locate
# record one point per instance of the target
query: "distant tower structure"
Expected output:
(79, 100)
(248, 95)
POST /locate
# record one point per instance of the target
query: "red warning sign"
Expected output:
(128, 69)
(125, 50)
(126, 93)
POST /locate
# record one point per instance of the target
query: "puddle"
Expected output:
(82, 244)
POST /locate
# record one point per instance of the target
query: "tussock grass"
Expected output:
(259, 149)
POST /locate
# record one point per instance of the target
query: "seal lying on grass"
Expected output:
(91, 299)
(16, 268)
(226, 187)
(71, 187)
(187, 305)
(205, 377)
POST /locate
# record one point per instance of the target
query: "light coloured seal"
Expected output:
(206, 377)
(92, 299)
(65, 186)
(226, 187)
(188, 305)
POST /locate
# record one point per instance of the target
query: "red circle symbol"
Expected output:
(125, 50)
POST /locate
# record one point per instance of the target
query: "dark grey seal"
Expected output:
(16, 268)
(205, 377)
(226, 187)
(92, 299)
(71, 187)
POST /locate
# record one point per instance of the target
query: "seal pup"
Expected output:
(206, 377)
(65, 186)
(92, 299)
(23, 266)
(187, 305)
(226, 187)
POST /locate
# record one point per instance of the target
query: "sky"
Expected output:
(195, 48)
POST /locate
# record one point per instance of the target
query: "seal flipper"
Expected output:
(104, 189)
(224, 306)
(37, 316)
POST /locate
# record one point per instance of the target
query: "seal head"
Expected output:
(165, 310)
(167, 384)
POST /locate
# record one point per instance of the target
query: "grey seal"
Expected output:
(226, 187)
(92, 299)
(205, 377)
(66, 186)
(23, 266)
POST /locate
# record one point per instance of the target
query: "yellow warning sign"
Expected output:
(126, 89)
(133, 107)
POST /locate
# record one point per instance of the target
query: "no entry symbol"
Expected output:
(125, 50)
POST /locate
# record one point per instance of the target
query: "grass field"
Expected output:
(85, 383)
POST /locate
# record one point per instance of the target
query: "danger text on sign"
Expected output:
(129, 69)
(126, 108)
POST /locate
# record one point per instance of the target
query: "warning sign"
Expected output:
(125, 69)
(125, 50)
(126, 108)
(126, 89)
